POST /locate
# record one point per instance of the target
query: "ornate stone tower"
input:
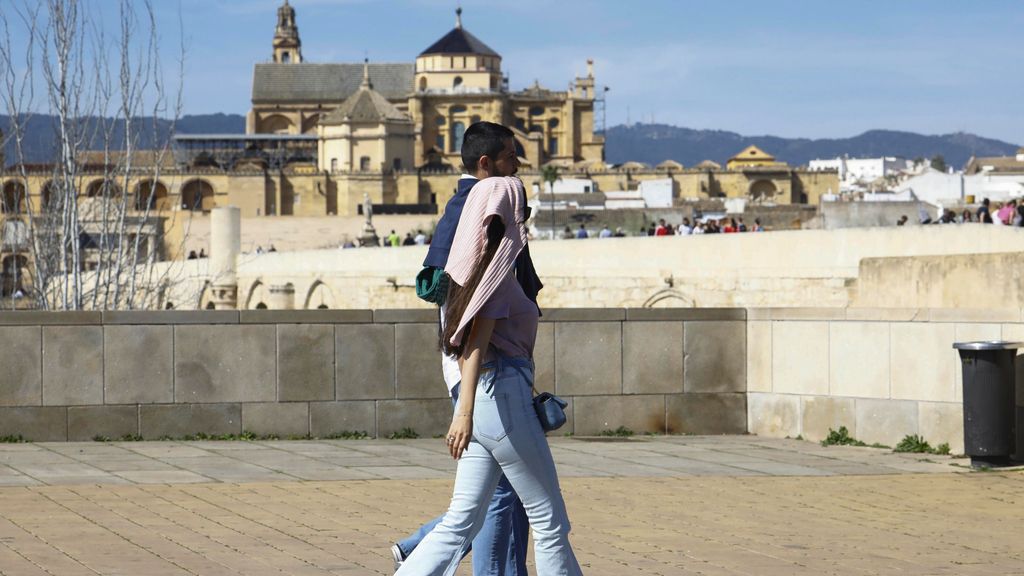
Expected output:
(287, 45)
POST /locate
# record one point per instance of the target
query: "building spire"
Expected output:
(287, 45)
(458, 17)
(366, 85)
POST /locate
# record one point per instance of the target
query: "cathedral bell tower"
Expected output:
(287, 46)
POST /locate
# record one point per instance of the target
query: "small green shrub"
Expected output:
(12, 439)
(915, 444)
(404, 434)
(841, 437)
(132, 438)
(621, 432)
(942, 449)
(349, 435)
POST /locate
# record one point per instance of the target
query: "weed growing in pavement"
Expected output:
(348, 435)
(12, 439)
(916, 444)
(841, 437)
(621, 432)
(404, 434)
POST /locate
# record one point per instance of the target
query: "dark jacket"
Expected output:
(444, 236)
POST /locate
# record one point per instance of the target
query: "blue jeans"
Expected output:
(507, 438)
(500, 546)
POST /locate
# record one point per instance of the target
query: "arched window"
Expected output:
(13, 200)
(536, 110)
(553, 123)
(458, 109)
(151, 195)
(105, 188)
(197, 195)
(440, 121)
(458, 131)
(423, 83)
(364, 163)
(286, 57)
(521, 124)
(457, 82)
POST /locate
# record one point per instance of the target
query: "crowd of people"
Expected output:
(662, 228)
(1006, 214)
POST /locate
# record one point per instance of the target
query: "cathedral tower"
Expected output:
(287, 46)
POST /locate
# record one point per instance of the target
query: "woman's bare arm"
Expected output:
(470, 361)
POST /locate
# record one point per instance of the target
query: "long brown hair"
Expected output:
(458, 297)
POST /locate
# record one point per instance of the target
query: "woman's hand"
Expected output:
(459, 434)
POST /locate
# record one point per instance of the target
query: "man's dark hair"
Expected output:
(483, 139)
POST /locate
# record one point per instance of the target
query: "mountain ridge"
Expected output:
(647, 143)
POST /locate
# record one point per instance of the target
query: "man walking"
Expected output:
(499, 549)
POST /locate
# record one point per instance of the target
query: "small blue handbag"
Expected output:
(550, 410)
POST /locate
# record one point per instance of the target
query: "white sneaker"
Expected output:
(397, 554)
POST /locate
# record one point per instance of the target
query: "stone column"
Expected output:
(225, 244)
(282, 297)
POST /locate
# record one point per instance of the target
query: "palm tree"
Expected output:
(549, 174)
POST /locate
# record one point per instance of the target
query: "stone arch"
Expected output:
(458, 132)
(669, 298)
(197, 194)
(456, 82)
(12, 200)
(761, 190)
(256, 296)
(151, 194)
(13, 271)
(277, 124)
(205, 300)
(319, 296)
(423, 83)
(310, 123)
(46, 194)
(102, 188)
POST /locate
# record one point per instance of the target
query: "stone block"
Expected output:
(428, 417)
(406, 316)
(305, 362)
(21, 357)
(859, 359)
(544, 358)
(800, 358)
(305, 316)
(640, 413)
(773, 415)
(177, 420)
(924, 363)
(974, 315)
(114, 422)
(43, 318)
(159, 317)
(706, 413)
(72, 365)
(418, 362)
(940, 422)
(588, 358)
(652, 357)
(281, 418)
(759, 356)
(329, 418)
(888, 314)
(821, 413)
(820, 314)
(35, 423)
(139, 364)
(225, 363)
(583, 315)
(885, 421)
(683, 314)
(365, 356)
(715, 356)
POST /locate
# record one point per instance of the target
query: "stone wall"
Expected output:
(78, 375)
(882, 373)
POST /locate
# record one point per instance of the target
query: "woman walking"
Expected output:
(491, 326)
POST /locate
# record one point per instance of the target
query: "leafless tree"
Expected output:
(105, 90)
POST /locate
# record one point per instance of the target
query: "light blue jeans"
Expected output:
(507, 438)
(499, 549)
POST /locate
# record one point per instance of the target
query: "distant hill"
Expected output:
(649, 143)
(654, 143)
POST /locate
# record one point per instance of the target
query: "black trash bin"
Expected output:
(989, 400)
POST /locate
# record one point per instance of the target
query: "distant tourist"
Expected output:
(1018, 219)
(966, 217)
(202, 252)
(619, 233)
(651, 230)
(699, 228)
(661, 229)
(902, 221)
(984, 214)
(394, 240)
(409, 240)
(669, 230)
(192, 255)
(567, 234)
(259, 249)
(582, 232)
(272, 248)
(757, 225)
(684, 229)
(1005, 214)
(742, 227)
(421, 238)
(605, 232)
(347, 244)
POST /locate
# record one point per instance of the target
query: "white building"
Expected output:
(940, 188)
(857, 174)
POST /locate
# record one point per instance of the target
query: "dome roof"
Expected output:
(459, 41)
(366, 105)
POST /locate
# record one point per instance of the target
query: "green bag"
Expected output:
(432, 285)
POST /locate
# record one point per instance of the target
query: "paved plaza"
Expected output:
(650, 505)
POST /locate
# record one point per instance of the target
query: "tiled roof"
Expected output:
(997, 163)
(304, 82)
(459, 41)
(365, 106)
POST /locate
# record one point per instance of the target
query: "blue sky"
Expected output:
(810, 68)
